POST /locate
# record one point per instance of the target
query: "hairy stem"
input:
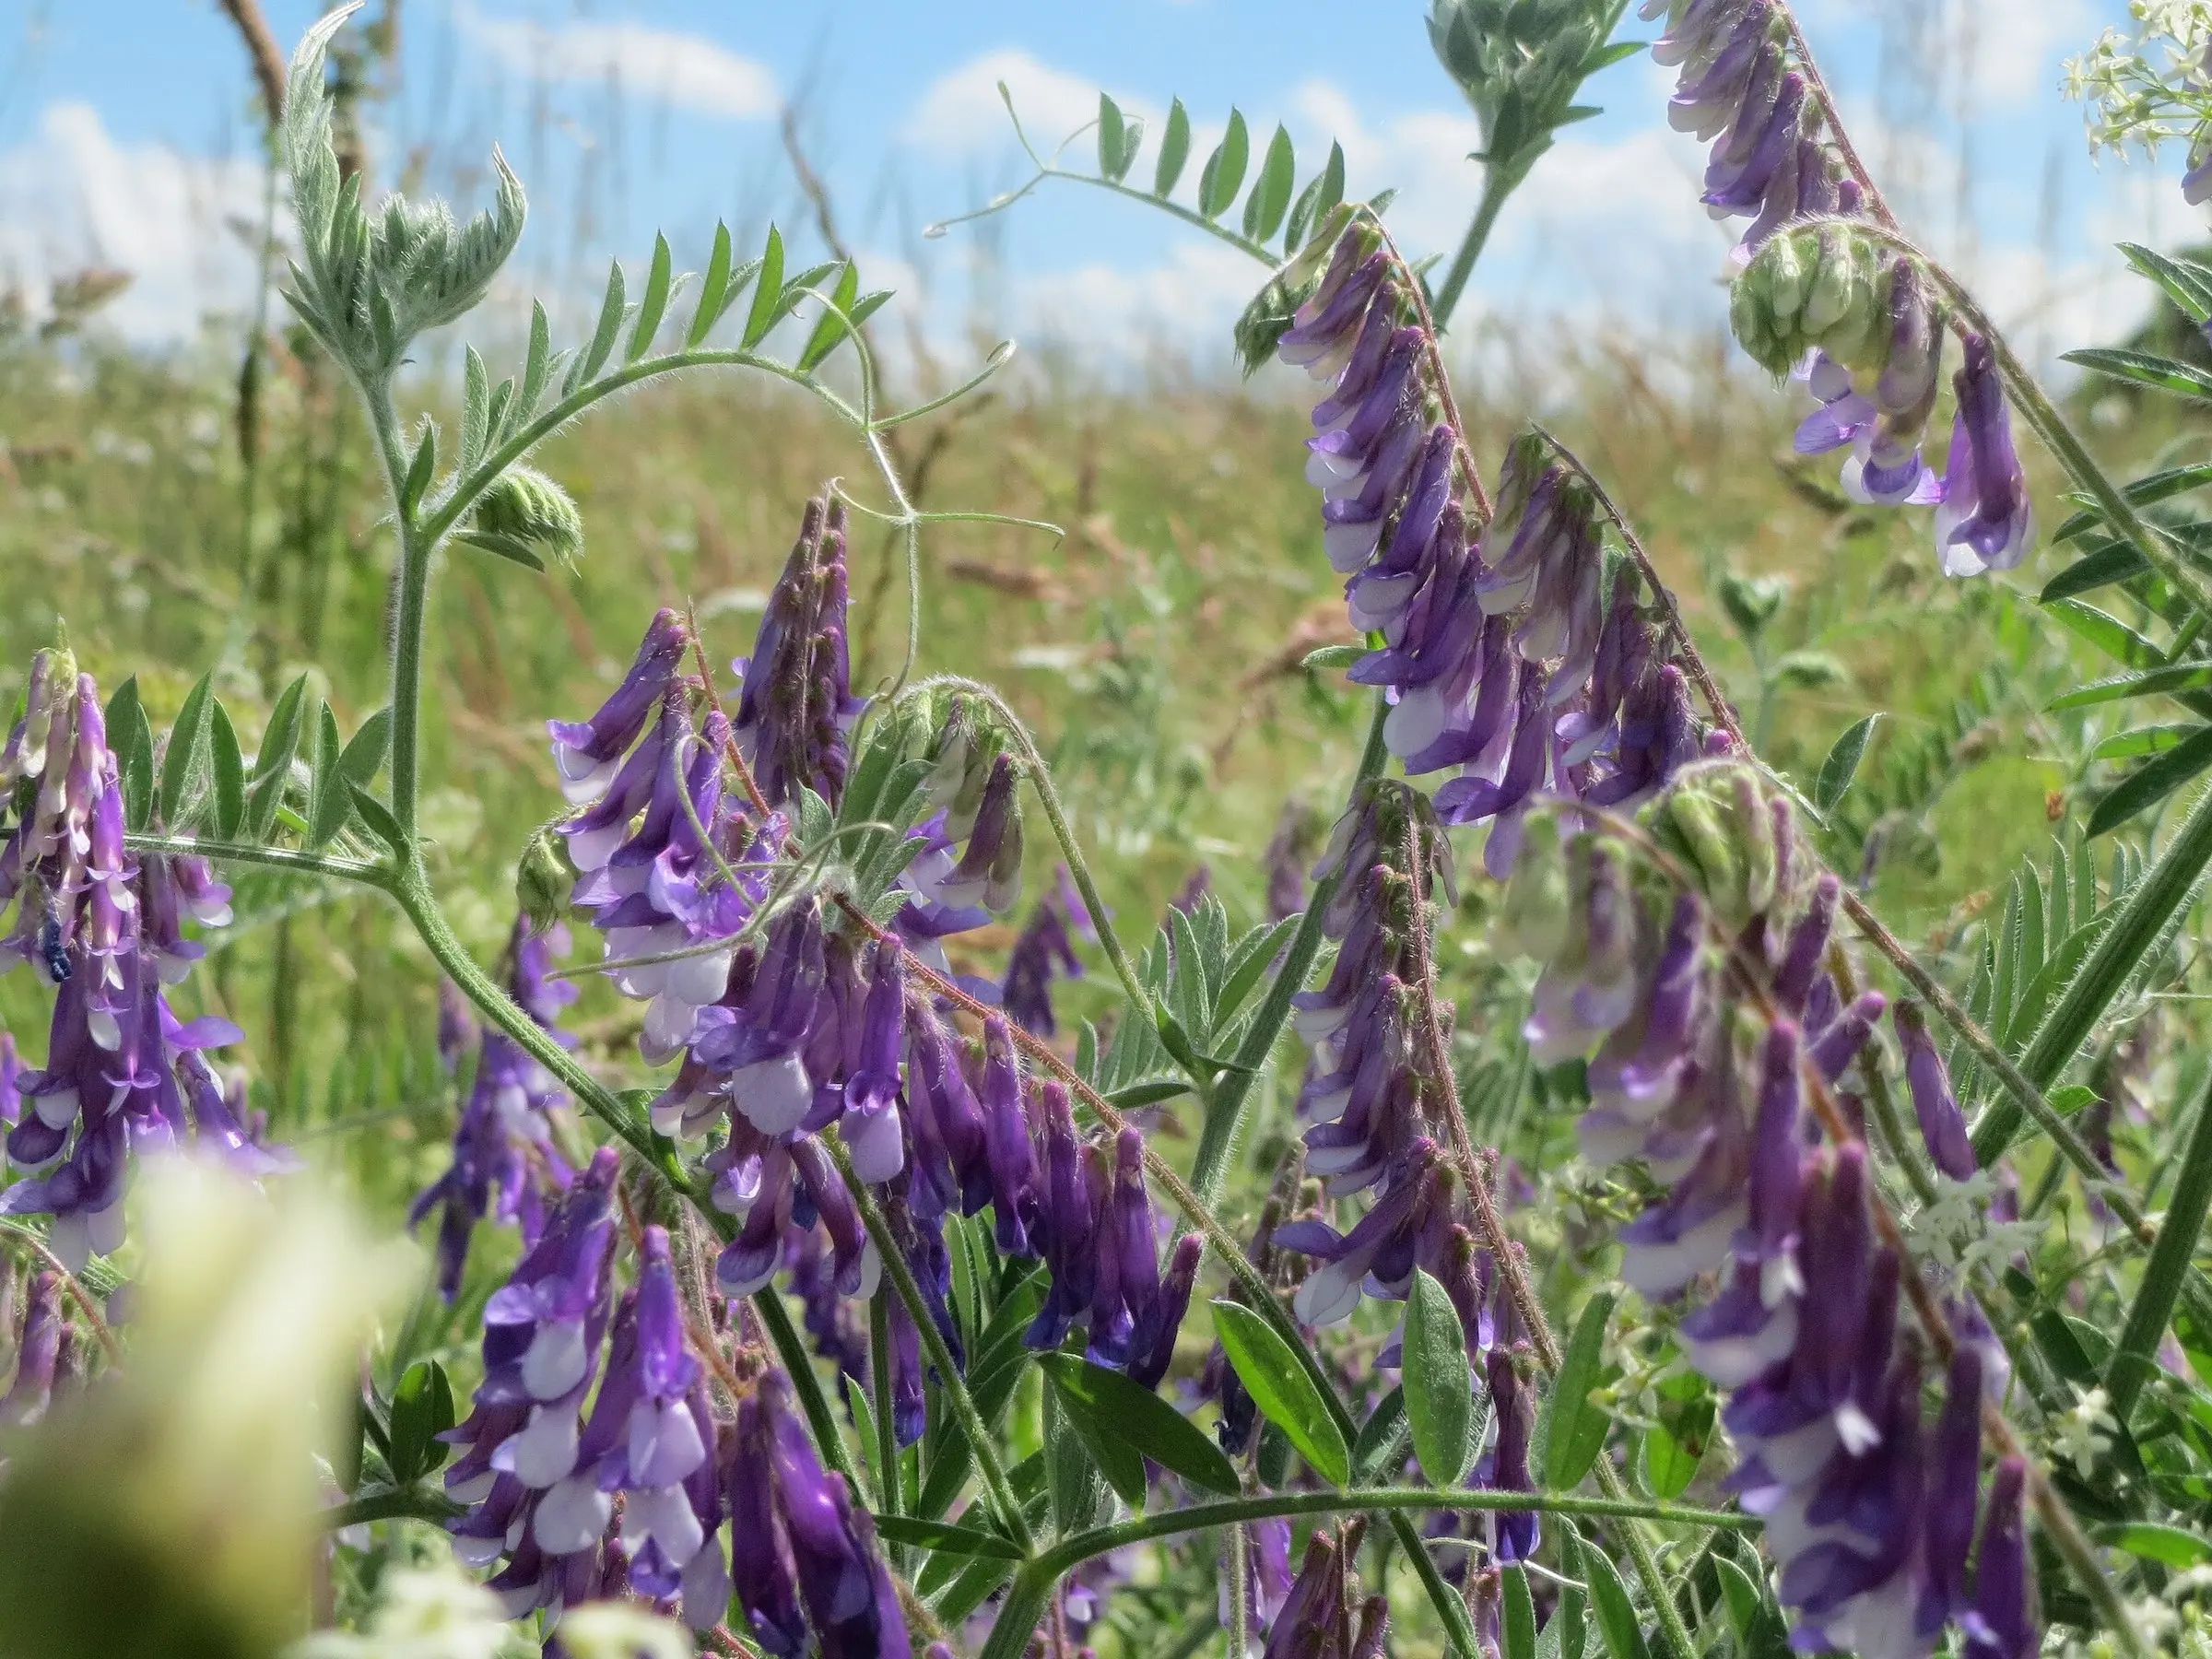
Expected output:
(1494, 192)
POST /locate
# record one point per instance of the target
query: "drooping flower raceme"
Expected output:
(1706, 1017)
(123, 1076)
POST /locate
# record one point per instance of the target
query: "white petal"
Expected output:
(545, 1450)
(572, 1516)
(556, 1361)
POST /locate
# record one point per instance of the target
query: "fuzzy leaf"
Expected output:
(1113, 130)
(1440, 1389)
(273, 765)
(1520, 1621)
(1616, 1613)
(328, 800)
(364, 755)
(423, 466)
(1270, 197)
(1842, 764)
(833, 325)
(229, 770)
(611, 309)
(945, 1538)
(422, 1410)
(537, 365)
(2145, 368)
(1385, 1428)
(185, 765)
(1223, 174)
(763, 315)
(1578, 1429)
(1174, 150)
(653, 306)
(1281, 1389)
(2179, 676)
(131, 735)
(2153, 782)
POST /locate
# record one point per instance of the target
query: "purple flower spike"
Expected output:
(796, 707)
(1074, 1194)
(588, 753)
(542, 1329)
(1942, 1124)
(1954, 1471)
(761, 1568)
(1152, 1345)
(850, 1604)
(11, 1093)
(1986, 521)
(988, 873)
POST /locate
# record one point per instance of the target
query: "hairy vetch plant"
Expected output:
(873, 1300)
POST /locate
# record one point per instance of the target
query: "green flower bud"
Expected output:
(1701, 834)
(1836, 286)
(544, 878)
(1790, 272)
(527, 517)
(1757, 839)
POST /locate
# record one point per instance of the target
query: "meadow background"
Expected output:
(185, 482)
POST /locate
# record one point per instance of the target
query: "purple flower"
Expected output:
(761, 1565)
(2002, 1625)
(38, 1353)
(870, 1126)
(1986, 521)
(11, 1072)
(850, 1602)
(1016, 1193)
(1071, 1220)
(587, 753)
(1942, 1124)
(1406, 1228)
(796, 707)
(1504, 1469)
(1043, 948)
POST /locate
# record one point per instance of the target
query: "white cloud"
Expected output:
(685, 71)
(961, 112)
(72, 198)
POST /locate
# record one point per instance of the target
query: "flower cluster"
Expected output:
(790, 1018)
(104, 926)
(1706, 1016)
(629, 1496)
(1509, 653)
(1862, 325)
(505, 1164)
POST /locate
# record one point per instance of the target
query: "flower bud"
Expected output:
(544, 878)
(528, 512)
(1535, 912)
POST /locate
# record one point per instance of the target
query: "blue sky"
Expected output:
(127, 138)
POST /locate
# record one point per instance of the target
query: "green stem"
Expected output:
(879, 1378)
(1070, 1553)
(2132, 1363)
(953, 1389)
(1240, 1608)
(2144, 916)
(1494, 192)
(1225, 1110)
